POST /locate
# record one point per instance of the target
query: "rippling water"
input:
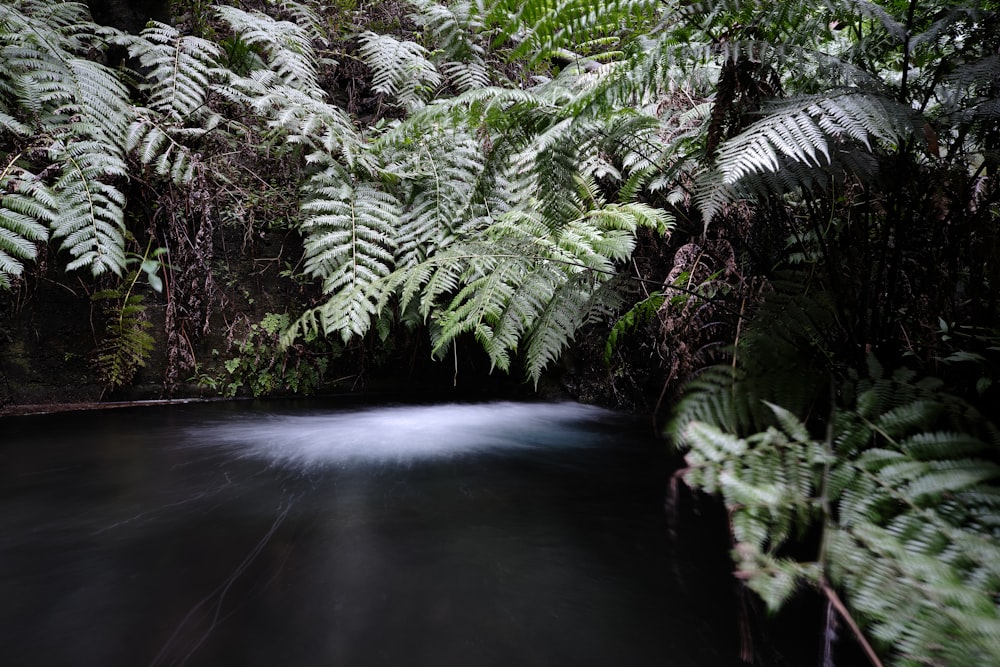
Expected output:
(469, 535)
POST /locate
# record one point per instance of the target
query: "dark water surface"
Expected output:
(498, 534)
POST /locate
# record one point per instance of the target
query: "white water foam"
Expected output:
(406, 433)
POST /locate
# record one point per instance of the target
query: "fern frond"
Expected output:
(554, 326)
(90, 217)
(160, 144)
(26, 210)
(532, 283)
(179, 70)
(349, 244)
(801, 130)
(456, 30)
(126, 343)
(440, 179)
(899, 537)
(638, 314)
(873, 10)
(491, 288)
(78, 111)
(543, 28)
(306, 17)
(401, 68)
(97, 94)
(286, 47)
(83, 97)
(320, 128)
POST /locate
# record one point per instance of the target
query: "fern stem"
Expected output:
(11, 161)
(90, 198)
(845, 614)
(904, 79)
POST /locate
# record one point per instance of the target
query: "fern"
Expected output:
(501, 233)
(179, 74)
(529, 283)
(306, 17)
(350, 243)
(78, 112)
(322, 129)
(90, 217)
(543, 29)
(892, 540)
(286, 47)
(401, 68)
(126, 343)
(893, 487)
(456, 31)
(800, 130)
(640, 313)
(440, 178)
(582, 299)
(26, 210)
(801, 143)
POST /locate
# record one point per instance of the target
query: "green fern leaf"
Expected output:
(126, 344)
(90, 217)
(401, 68)
(439, 188)
(349, 245)
(802, 129)
(322, 129)
(456, 29)
(790, 423)
(287, 47)
(25, 213)
(179, 70)
(641, 312)
(574, 303)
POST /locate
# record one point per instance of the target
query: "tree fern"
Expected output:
(305, 15)
(581, 299)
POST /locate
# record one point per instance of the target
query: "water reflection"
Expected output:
(474, 535)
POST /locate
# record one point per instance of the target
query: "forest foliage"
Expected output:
(819, 179)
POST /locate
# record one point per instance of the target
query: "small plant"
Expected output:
(126, 344)
(260, 368)
(635, 317)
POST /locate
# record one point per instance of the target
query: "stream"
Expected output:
(286, 534)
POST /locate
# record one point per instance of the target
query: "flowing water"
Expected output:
(506, 534)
